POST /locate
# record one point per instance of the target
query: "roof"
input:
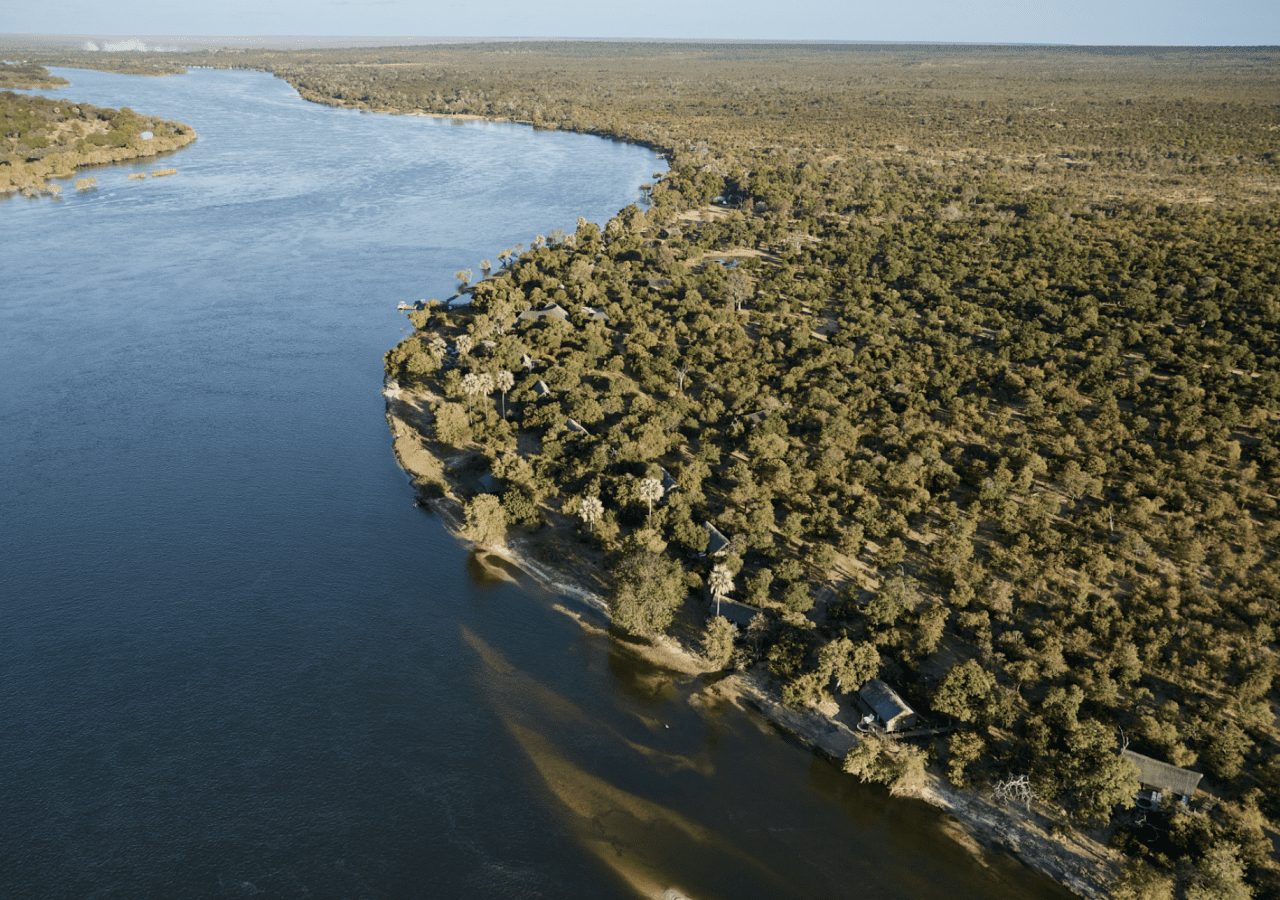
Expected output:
(575, 425)
(593, 313)
(738, 613)
(716, 541)
(540, 388)
(1162, 776)
(550, 311)
(669, 483)
(884, 701)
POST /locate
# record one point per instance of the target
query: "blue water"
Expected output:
(235, 659)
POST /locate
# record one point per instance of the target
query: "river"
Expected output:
(235, 659)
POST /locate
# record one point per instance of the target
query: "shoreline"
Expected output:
(1071, 858)
(38, 184)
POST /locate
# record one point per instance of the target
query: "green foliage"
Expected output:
(486, 522)
(648, 589)
(965, 692)
(41, 138)
(998, 352)
(453, 426)
(717, 641)
(881, 760)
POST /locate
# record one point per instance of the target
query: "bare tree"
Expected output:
(1015, 789)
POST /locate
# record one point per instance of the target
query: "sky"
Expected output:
(1006, 21)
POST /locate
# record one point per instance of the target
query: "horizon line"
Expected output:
(422, 40)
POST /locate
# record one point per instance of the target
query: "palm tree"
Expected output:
(464, 344)
(650, 491)
(504, 381)
(476, 384)
(720, 583)
(464, 279)
(590, 511)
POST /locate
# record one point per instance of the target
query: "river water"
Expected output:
(235, 659)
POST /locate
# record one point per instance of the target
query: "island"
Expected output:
(43, 139)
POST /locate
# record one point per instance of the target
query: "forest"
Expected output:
(970, 355)
(41, 138)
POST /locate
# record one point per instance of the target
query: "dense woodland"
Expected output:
(972, 353)
(41, 138)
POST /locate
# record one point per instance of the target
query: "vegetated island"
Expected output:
(949, 377)
(25, 76)
(43, 139)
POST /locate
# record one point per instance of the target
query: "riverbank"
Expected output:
(53, 139)
(561, 565)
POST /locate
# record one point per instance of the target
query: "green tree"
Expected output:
(648, 589)
(485, 521)
(964, 692)
(452, 424)
(717, 641)
(1219, 875)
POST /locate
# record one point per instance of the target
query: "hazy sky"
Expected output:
(1055, 21)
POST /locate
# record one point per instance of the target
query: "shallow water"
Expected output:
(235, 659)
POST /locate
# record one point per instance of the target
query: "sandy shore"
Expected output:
(1075, 860)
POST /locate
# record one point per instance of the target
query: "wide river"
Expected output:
(235, 659)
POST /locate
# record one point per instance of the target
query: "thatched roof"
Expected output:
(716, 542)
(1162, 776)
(739, 614)
(550, 311)
(884, 701)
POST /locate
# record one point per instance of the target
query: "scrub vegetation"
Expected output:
(42, 138)
(19, 76)
(973, 356)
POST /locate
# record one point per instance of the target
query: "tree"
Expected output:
(964, 748)
(896, 596)
(720, 583)
(1139, 881)
(590, 510)
(650, 491)
(485, 521)
(504, 381)
(882, 760)
(964, 691)
(648, 589)
(453, 425)
(476, 384)
(852, 665)
(717, 641)
(1219, 875)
